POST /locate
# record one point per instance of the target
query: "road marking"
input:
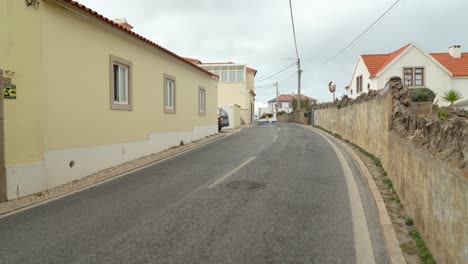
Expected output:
(362, 242)
(232, 172)
(276, 137)
(279, 129)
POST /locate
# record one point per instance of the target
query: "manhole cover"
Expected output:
(247, 186)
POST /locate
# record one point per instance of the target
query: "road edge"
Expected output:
(391, 241)
(108, 179)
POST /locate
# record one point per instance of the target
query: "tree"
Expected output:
(452, 96)
(304, 104)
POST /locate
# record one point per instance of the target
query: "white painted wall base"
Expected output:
(55, 170)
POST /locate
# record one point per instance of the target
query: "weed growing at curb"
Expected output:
(424, 254)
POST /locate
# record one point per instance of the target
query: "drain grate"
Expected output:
(246, 186)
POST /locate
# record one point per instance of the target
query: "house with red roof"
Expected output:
(92, 94)
(436, 71)
(283, 102)
(235, 87)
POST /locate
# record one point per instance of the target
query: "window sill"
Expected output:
(124, 107)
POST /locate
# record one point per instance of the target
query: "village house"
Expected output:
(236, 86)
(83, 93)
(436, 71)
(284, 103)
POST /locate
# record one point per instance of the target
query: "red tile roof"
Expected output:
(458, 67)
(248, 69)
(191, 60)
(376, 62)
(289, 97)
(109, 21)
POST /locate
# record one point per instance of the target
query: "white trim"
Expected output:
(26, 179)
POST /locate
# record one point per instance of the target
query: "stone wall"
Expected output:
(294, 117)
(433, 189)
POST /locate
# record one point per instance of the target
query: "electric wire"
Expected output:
(355, 39)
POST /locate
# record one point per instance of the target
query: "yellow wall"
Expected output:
(61, 61)
(231, 93)
(20, 51)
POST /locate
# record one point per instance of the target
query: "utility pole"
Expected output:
(276, 107)
(299, 72)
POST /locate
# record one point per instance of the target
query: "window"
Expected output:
(359, 84)
(228, 73)
(413, 76)
(169, 94)
(120, 84)
(201, 101)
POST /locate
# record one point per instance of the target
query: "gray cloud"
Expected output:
(258, 33)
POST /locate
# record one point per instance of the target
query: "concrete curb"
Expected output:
(391, 241)
(107, 179)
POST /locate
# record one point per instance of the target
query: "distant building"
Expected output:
(236, 86)
(285, 103)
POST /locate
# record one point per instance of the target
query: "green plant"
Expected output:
(422, 95)
(270, 115)
(409, 221)
(304, 104)
(281, 112)
(424, 254)
(442, 114)
(452, 96)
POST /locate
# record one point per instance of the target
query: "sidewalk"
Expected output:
(11, 206)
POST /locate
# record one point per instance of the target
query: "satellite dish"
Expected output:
(332, 87)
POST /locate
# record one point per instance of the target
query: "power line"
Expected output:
(294, 30)
(356, 39)
(282, 80)
(274, 74)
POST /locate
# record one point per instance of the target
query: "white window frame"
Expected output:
(116, 103)
(169, 94)
(201, 101)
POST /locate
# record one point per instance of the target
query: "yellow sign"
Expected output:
(9, 91)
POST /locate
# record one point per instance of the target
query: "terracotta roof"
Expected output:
(458, 67)
(376, 62)
(191, 60)
(289, 97)
(229, 62)
(109, 21)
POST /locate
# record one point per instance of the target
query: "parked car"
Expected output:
(223, 119)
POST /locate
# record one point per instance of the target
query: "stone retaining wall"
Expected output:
(434, 192)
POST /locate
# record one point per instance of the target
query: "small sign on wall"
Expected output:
(9, 91)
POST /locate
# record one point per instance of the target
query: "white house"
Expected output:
(437, 71)
(284, 103)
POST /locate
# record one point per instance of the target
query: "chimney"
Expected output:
(455, 51)
(123, 23)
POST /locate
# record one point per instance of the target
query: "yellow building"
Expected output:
(90, 94)
(236, 86)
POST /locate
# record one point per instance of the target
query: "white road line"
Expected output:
(276, 137)
(279, 129)
(362, 242)
(232, 172)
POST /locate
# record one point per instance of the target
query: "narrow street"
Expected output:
(275, 193)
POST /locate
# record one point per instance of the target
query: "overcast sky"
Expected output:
(259, 34)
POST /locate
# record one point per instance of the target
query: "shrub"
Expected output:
(422, 95)
(281, 112)
(270, 115)
(452, 96)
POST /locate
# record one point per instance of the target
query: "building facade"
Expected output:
(236, 86)
(89, 94)
(284, 103)
(436, 71)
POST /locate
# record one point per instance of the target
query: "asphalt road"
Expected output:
(269, 194)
